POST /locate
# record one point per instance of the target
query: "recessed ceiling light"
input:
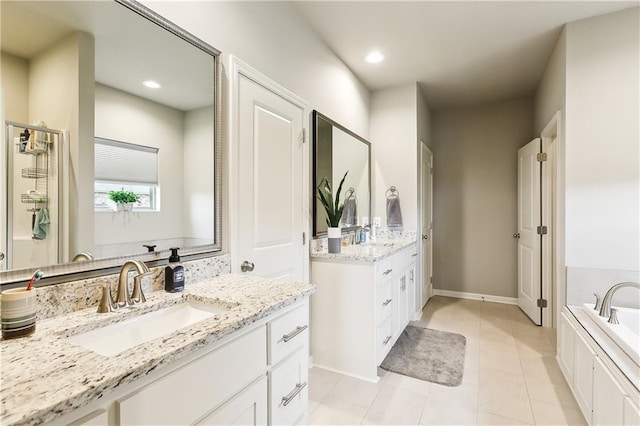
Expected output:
(151, 84)
(374, 57)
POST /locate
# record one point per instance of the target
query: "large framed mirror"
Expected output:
(336, 151)
(137, 99)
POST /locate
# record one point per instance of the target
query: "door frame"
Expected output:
(420, 267)
(553, 274)
(238, 69)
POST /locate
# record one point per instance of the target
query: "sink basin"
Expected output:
(115, 338)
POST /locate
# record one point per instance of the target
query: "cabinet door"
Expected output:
(97, 418)
(583, 376)
(289, 393)
(608, 396)
(412, 291)
(631, 413)
(248, 408)
(400, 310)
(187, 394)
(566, 336)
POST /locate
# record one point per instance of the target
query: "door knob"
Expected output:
(516, 236)
(425, 237)
(1, 255)
(246, 266)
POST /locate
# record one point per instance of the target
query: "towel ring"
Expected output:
(392, 192)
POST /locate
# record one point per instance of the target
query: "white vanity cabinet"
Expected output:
(256, 376)
(604, 395)
(359, 310)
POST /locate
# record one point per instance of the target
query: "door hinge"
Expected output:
(304, 238)
(304, 135)
(431, 279)
(542, 303)
(542, 230)
(542, 156)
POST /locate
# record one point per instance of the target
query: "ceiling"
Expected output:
(459, 53)
(126, 53)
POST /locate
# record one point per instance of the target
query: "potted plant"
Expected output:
(124, 199)
(334, 211)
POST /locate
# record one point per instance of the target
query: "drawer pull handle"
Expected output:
(386, 340)
(414, 254)
(387, 272)
(386, 302)
(294, 333)
(287, 399)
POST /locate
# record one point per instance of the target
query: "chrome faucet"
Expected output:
(605, 309)
(82, 256)
(123, 298)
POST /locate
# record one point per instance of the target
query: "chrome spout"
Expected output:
(605, 309)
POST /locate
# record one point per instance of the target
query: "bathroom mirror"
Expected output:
(337, 150)
(80, 67)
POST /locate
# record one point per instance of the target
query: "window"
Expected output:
(122, 165)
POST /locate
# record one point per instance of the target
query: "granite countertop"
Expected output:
(364, 253)
(32, 367)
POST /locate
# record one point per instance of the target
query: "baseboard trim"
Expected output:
(344, 373)
(476, 296)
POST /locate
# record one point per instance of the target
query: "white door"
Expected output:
(529, 241)
(427, 224)
(268, 220)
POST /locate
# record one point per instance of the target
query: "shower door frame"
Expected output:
(6, 192)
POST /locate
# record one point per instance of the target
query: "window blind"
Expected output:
(117, 161)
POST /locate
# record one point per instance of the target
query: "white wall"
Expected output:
(394, 151)
(198, 209)
(128, 118)
(273, 38)
(14, 77)
(475, 196)
(602, 148)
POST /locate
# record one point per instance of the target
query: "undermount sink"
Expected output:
(115, 338)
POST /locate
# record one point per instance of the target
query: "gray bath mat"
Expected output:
(430, 355)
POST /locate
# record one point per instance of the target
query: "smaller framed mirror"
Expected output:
(336, 151)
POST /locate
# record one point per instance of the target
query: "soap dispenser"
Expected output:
(174, 273)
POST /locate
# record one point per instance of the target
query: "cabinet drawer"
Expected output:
(248, 408)
(384, 339)
(384, 270)
(288, 333)
(385, 302)
(289, 393)
(186, 395)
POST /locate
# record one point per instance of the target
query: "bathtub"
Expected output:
(626, 334)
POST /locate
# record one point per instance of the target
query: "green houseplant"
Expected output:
(124, 199)
(334, 209)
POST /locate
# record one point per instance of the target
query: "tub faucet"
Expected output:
(124, 299)
(605, 309)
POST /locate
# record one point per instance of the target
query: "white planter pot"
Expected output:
(124, 207)
(334, 232)
(335, 239)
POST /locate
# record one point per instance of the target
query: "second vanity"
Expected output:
(248, 363)
(365, 297)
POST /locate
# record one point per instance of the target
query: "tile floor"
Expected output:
(511, 377)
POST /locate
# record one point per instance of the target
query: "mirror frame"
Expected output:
(64, 272)
(315, 116)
